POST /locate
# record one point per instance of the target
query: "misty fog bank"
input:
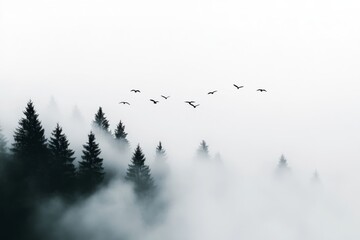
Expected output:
(200, 196)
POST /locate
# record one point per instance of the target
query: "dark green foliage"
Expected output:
(30, 149)
(100, 121)
(120, 135)
(26, 179)
(139, 174)
(62, 169)
(203, 150)
(91, 171)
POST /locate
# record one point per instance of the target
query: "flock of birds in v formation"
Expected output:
(191, 103)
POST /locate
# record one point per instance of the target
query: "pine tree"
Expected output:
(120, 135)
(91, 171)
(160, 168)
(282, 163)
(139, 174)
(100, 121)
(160, 152)
(283, 168)
(203, 150)
(30, 149)
(63, 171)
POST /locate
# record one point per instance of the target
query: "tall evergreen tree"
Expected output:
(91, 171)
(63, 171)
(203, 150)
(100, 120)
(139, 174)
(30, 148)
(120, 135)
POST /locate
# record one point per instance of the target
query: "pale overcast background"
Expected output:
(92, 53)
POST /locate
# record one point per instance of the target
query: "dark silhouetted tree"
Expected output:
(120, 136)
(139, 174)
(30, 149)
(27, 177)
(203, 150)
(91, 171)
(100, 121)
(63, 172)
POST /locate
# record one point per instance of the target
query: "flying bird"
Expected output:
(238, 87)
(261, 90)
(154, 101)
(190, 102)
(166, 97)
(135, 90)
(212, 92)
(194, 106)
(124, 103)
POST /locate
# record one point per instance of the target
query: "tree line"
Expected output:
(35, 169)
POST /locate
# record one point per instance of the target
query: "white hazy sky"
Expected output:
(91, 53)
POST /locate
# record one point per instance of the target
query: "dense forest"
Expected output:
(35, 169)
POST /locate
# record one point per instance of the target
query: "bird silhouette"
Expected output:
(190, 102)
(194, 106)
(238, 87)
(135, 90)
(212, 92)
(165, 96)
(124, 103)
(261, 90)
(154, 101)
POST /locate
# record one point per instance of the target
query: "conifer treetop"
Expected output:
(91, 171)
(160, 151)
(203, 150)
(139, 174)
(120, 133)
(100, 120)
(30, 135)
